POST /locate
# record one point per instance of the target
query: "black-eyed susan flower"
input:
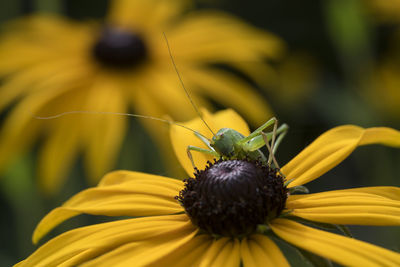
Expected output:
(51, 65)
(229, 214)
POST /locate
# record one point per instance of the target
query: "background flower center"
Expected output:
(119, 48)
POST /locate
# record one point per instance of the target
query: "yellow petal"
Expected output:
(229, 255)
(259, 250)
(261, 73)
(144, 103)
(219, 84)
(187, 255)
(105, 132)
(64, 134)
(181, 138)
(82, 244)
(343, 250)
(219, 37)
(138, 195)
(34, 40)
(213, 251)
(144, 14)
(333, 147)
(165, 88)
(14, 136)
(58, 154)
(363, 206)
(147, 252)
(31, 79)
(222, 252)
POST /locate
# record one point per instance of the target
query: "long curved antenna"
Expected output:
(183, 85)
(115, 113)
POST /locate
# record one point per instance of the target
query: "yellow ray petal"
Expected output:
(133, 196)
(270, 249)
(389, 192)
(260, 72)
(82, 244)
(14, 136)
(33, 40)
(147, 252)
(216, 36)
(343, 250)
(213, 251)
(64, 137)
(349, 206)
(144, 14)
(385, 192)
(28, 80)
(164, 86)
(259, 250)
(181, 138)
(187, 255)
(246, 255)
(105, 132)
(145, 104)
(229, 255)
(222, 252)
(120, 177)
(58, 154)
(219, 84)
(332, 147)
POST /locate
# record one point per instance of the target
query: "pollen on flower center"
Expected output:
(231, 197)
(119, 48)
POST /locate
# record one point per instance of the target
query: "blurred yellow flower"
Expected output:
(380, 80)
(384, 11)
(384, 89)
(51, 65)
(216, 220)
(297, 80)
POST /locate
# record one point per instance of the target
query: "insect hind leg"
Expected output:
(276, 139)
(271, 156)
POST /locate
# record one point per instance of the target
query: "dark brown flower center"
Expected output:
(232, 197)
(119, 48)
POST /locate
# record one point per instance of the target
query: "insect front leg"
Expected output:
(189, 150)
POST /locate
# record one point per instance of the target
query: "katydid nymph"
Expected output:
(228, 143)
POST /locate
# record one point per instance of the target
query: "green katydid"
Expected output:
(229, 143)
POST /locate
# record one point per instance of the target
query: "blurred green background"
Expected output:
(330, 76)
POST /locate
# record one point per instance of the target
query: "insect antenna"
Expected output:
(183, 86)
(56, 116)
